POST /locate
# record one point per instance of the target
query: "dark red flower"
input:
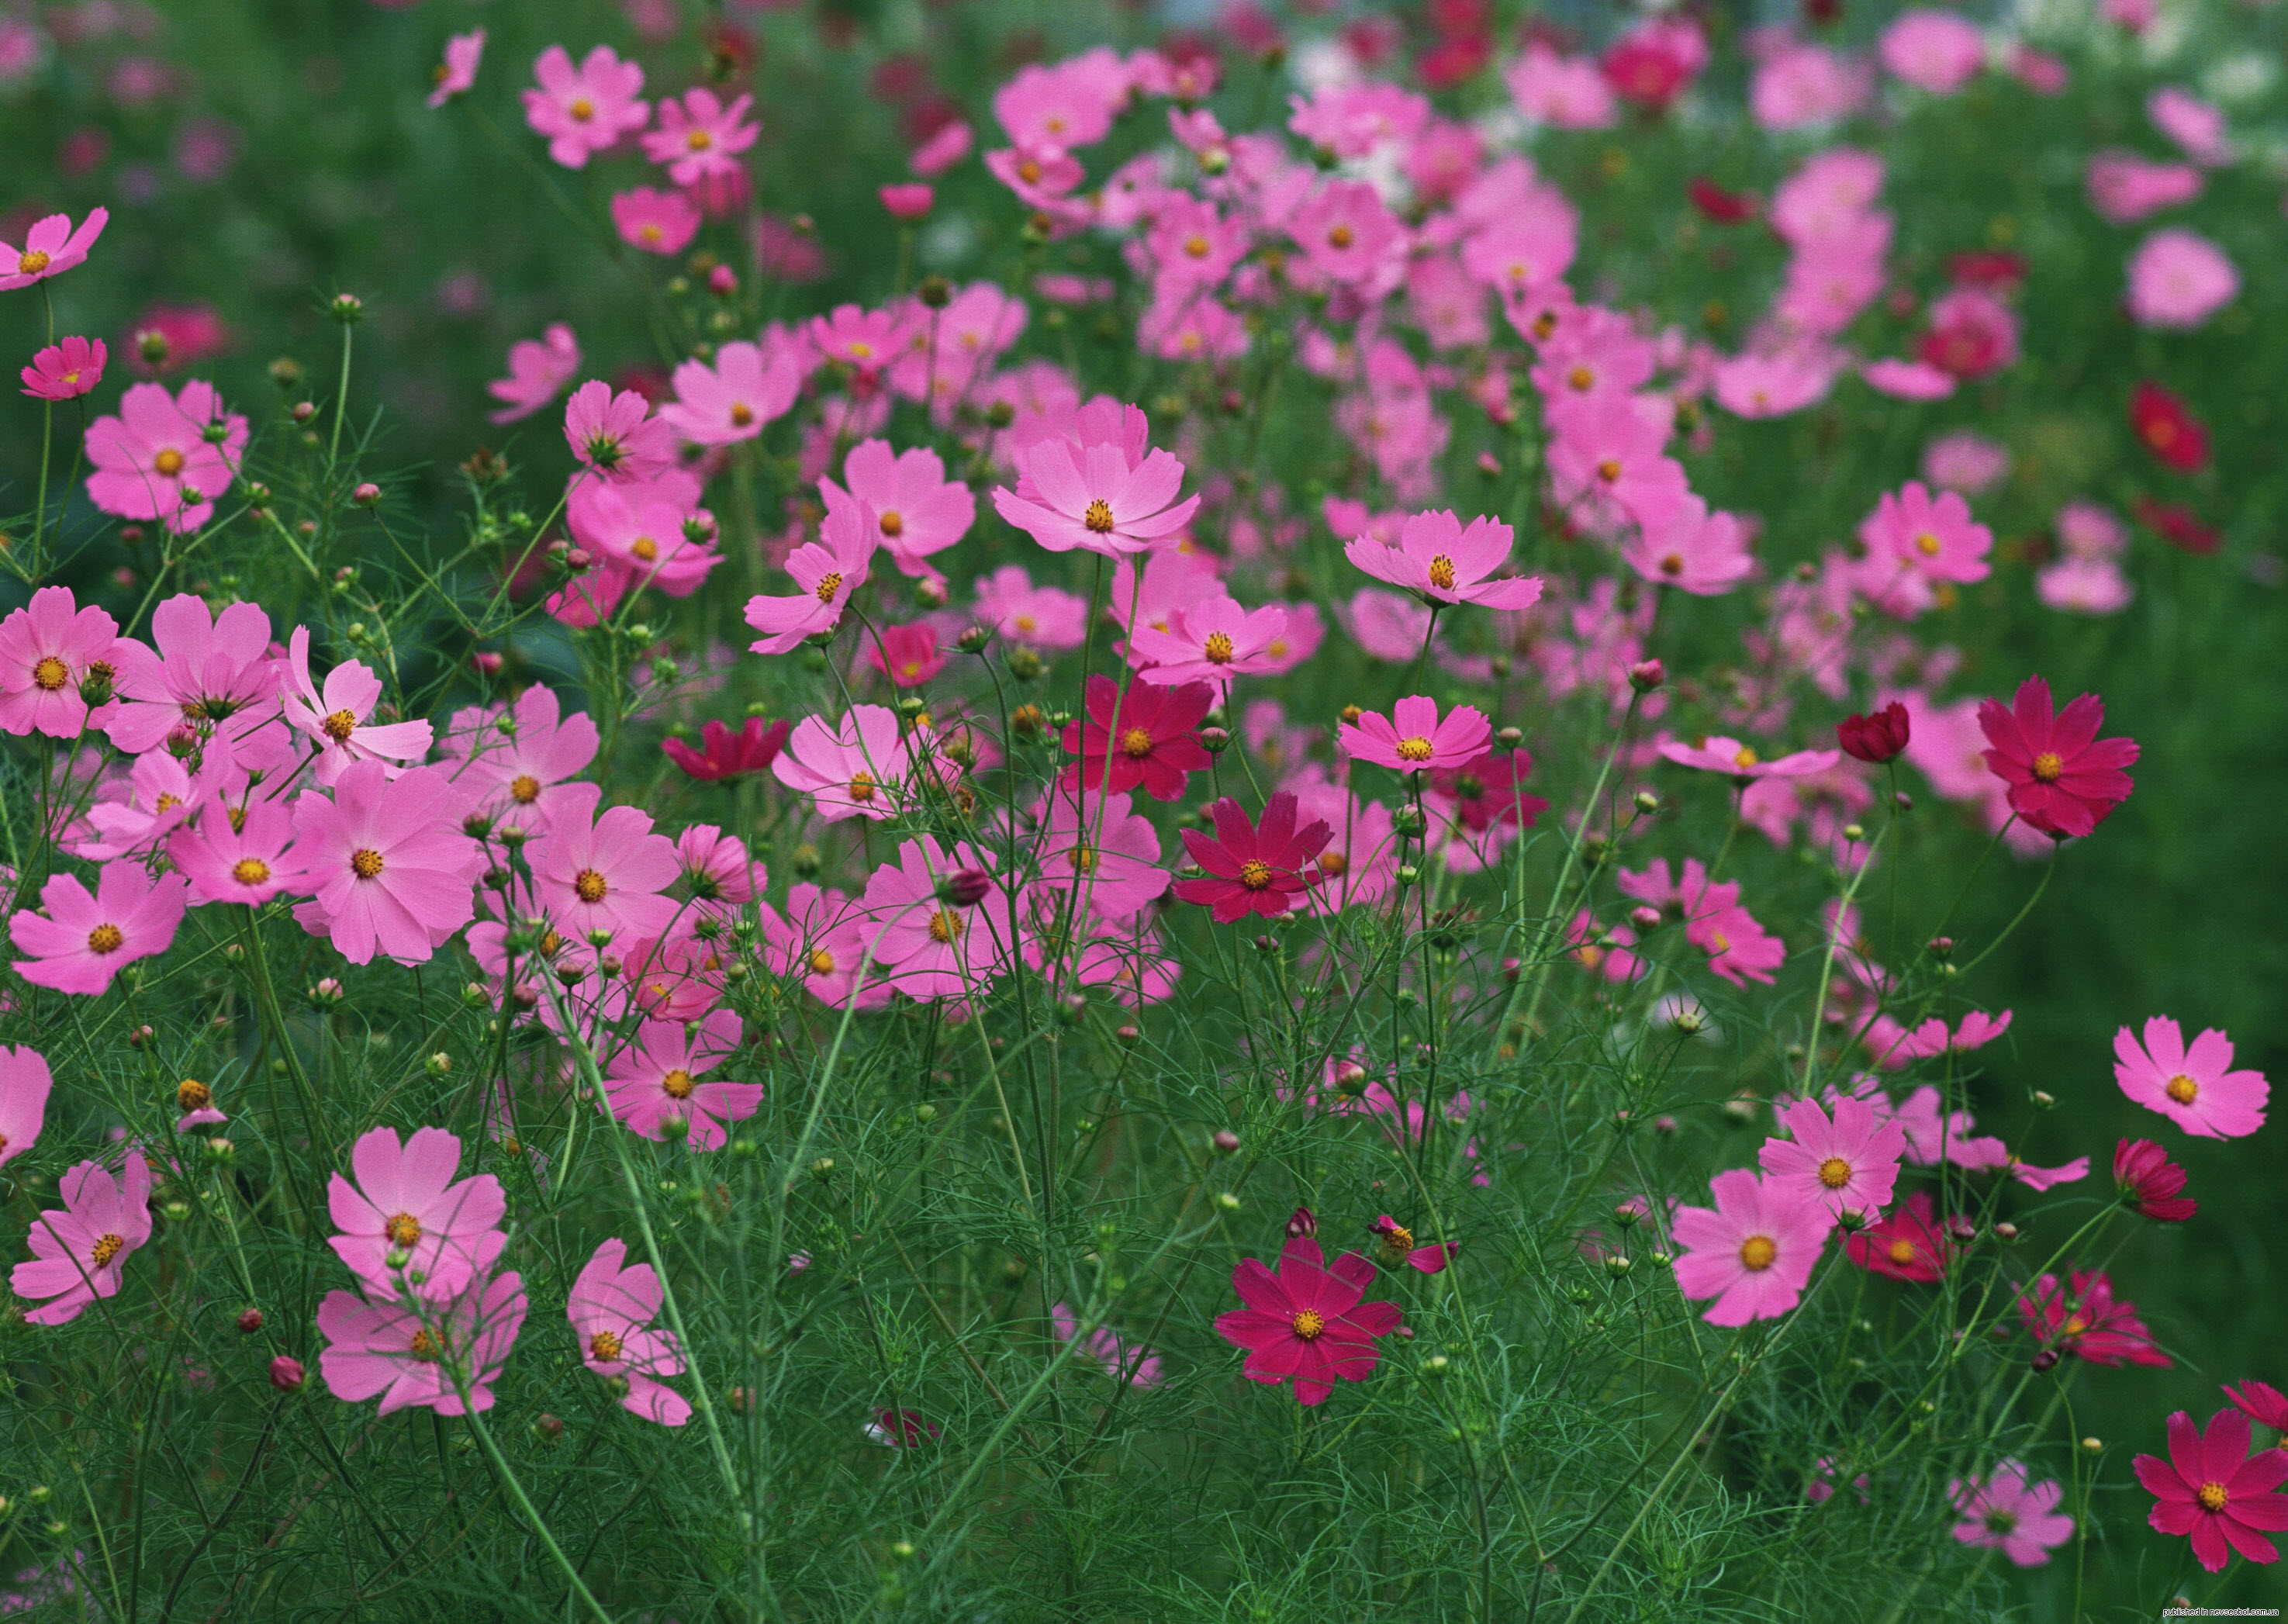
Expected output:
(2263, 1401)
(1478, 794)
(900, 1429)
(1985, 268)
(1908, 1245)
(2177, 525)
(2166, 428)
(724, 754)
(1878, 737)
(1253, 869)
(2148, 1182)
(1719, 206)
(1454, 61)
(1306, 1320)
(2212, 1490)
(908, 655)
(1156, 745)
(2087, 1321)
(1651, 64)
(2063, 778)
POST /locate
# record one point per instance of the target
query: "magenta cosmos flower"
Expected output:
(334, 717)
(211, 671)
(2194, 1086)
(828, 570)
(1253, 869)
(420, 1356)
(603, 877)
(734, 399)
(1141, 735)
(24, 1085)
(2261, 1401)
(78, 942)
(1414, 737)
(1441, 563)
(518, 762)
(611, 1310)
(585, 109)
(154, 461)
(699, 137)
(1908, 1244)
(409, 1217)
(616, 435)
(936, 921)
(1306, 1320)
(1935, 536)
(918, 511)
(724, 755)
(1729, 757)
(1848, 1162)
(388, 869)
(1396, 1246)
(2212, 1490)
(51, 248)
(2063, 778)
(1094, 498)
(657, 222)
(78, 1253)
(537, 369)
(48, 649)
(66, 369)
(2150, 1183)
(1754, 1252)
(2085, 1320)
(2004, 1511)
(458, 73)
(656, 1079)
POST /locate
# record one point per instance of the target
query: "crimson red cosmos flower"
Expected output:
(1477, 796)
(1306, 1320)
(725, 754)
(1156, 747)
(1908, 1245)
(1253, 869)
(2087, 1321)
(2177, 525)
(2211, 1489)
(2167, 429)
(2262, 1402)
(2148, 1182)
(2063, 778)
(1982, 268)
(1721, 207)
(1878, 737)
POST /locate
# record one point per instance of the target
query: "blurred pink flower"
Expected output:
(657, 222)
(154, 461)
(2006, 1512)
(2178, 280)
(537, 369)
(1935, 51)
(584, 110)
(65, 371)
(457, 72)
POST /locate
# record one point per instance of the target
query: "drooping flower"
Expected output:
(2149, 1182)
(79, 942)
(1396, 1245)
(859, 769)
(385, 862)
(24, 1085)
(66, 369)
(1141, 735)
(1753, 1252)
(408, 1218)
(2193, 1085)
(1307, 1321)
(51, 248)
(1441, 562)
(422, 1355)
(601, 877)
(724, 755)
(1847, 1163)
(77, 1253)
(1878, 736)
(2212, 1491)
(2261, 1401)
(335, 717)
(829, 570)
(1253, 869)
(1934, 51)
(2085, 1320)
(52, 653)
(586, 109)
(1907, 1243)
(2063, 778)
(2164, 427)
(745, 390)
(537, 369)
(154, 460)
(611, 1309)
(1414, 738)
(2004, 1511)
(615, 434)
(458, 73)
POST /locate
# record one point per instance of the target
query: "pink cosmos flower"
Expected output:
(934, 943)
(385, 862)
(1934, 537)
(1397, 1247)
(817, 945)
(829, 570)
(1306, 1320)
(908, 202)
(24, 1085)
(409, 1219)
(2178, 280)
(48, 649)
(1564, 92)
(586, 109)
(859, 768)
(2085, 1320)
(1041, 617)
(420, 1356)
(1776, 383)
(656, 1079)
(78, 1253)
(657, 222)
(78, 942)
(1848, 1163)
(213, 671)
(1653, 62)
(716, 865)
(537, 369)
(1908, 380)
(908, 655)
(1138, 1367)
(2125, 186)
(724, 754)
(949, 146)
(1935, 51)
(864, 340)
(1735, 760)
(603, 877)
(736, 398)
(615, 434)
(1345, 232)
(1442, 563)
(649, 533)
(1211, 638)
(2193, 1085)
(916, 510)
(1096, 496)
(611, 1309)
(458, 73)
(1697, 551)
(1753, 1252)
(1799, 85)
(154, 461)
(334, 718)
(243, 859)
(518, 762)
(1972, 334)
(1965, 461)
(2063, 778)
(2084, 586)
(2192, 124)
(2212, 1490)
(51, 248)
(1414, 737)
(2004, 1511)
(65, 371)
(699, 137)
(1101, 854)
(1253, 867)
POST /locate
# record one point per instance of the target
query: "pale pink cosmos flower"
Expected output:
(1041, 617)
(2192, 123)
(2084, 586)
(79, 942)
(212, 671)
(244, 860)
(949, 146)
(1096, 495)
(586, 109)
(1846, 1163)
(1099, 853)
(1753, 1252)
(1414, 737)
(699, 137)
(650, 532)
(656, 1080)
(654, 221)
(604, 876)
(78, 1253)
(611, 1309)
(2125, 186)
(2193, 1085)
(24, 1085)
(818, 944)
(1799, 85)
(334, 717)
(47, 650)
(1345, 232)
(516, 761)
(1934, 537)
(2087, 530)
(1965, 461)
(1697, 551)
(616, 435)
(1906, 380)
(154, 461)
(2178, 280)
(422, 1356)
(160, 794)
(458, 73)
(65, 371)
(2006, 1511)
(1935, 51)
(829, 570)
(717, 866)
(918, 511)
(864, 340)
(1564, 92)
(1776, 382)
(537, 369)
(51, 248)
(859, 768)
(933, 946)
(409, 1218)
(387, 865)
(1211, 638)
(735, 399)
(1718, 753)
(1443, 563)
(1137, 1365)
(1387, 626)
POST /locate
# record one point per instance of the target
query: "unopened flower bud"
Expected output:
(1026, 664)
(1127, 1036)
(1510, 737)
(346, 308)
(1302, 1225)
(2005, 1231)
(1227, 1201)
(935, 292)
(153, 346)
(366, 494)
(1645, 674)
(2045, 1360)
(1409, 821)
(286, 1374)
(964, 887)
(1226, 1142)
(250, 1322)
(1942, 948)
(1216, 740)
(972, 639)
(2044, 1099)
(325, 995)
(440, 1064)
(1616, 1265)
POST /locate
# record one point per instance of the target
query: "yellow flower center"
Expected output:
(860, 350)
(1218, 647)
(1082, 858)
(192, 1095)
(742, 413)
(861, 788)
(1028, 170)
(1308, 1323)
(1903, 1252)
(1099, 517)
(1672, 564)
(365, 862)
(1581, 378)
(893, 523)
(51, 673)
(821, 963)
(1255, 874)
(945, 927)
(829, 584)
(1757, 1252)
(1743, 757)
(108, 1245)
(105, 938)
(2212, 1496)
(2075, 1325)
(651, 234)
(1417, 748)
(644, 548)
(582, 109)
(2183, 1088)
(603, 1347)
(1835, 1172)
(1926, 544)
(424, 1346)
(1136, 741)
(1339, 237)
(338, 726)
(699, 140)
(2049, 766)
(589, 885)
(1610, 469)
(32, 262)
(1442, 572)
(677, 1084)
(1196, 246)
(1332, 863)
(168, 464)
(525, 789)
(403, 1228)
(1398, 1240)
